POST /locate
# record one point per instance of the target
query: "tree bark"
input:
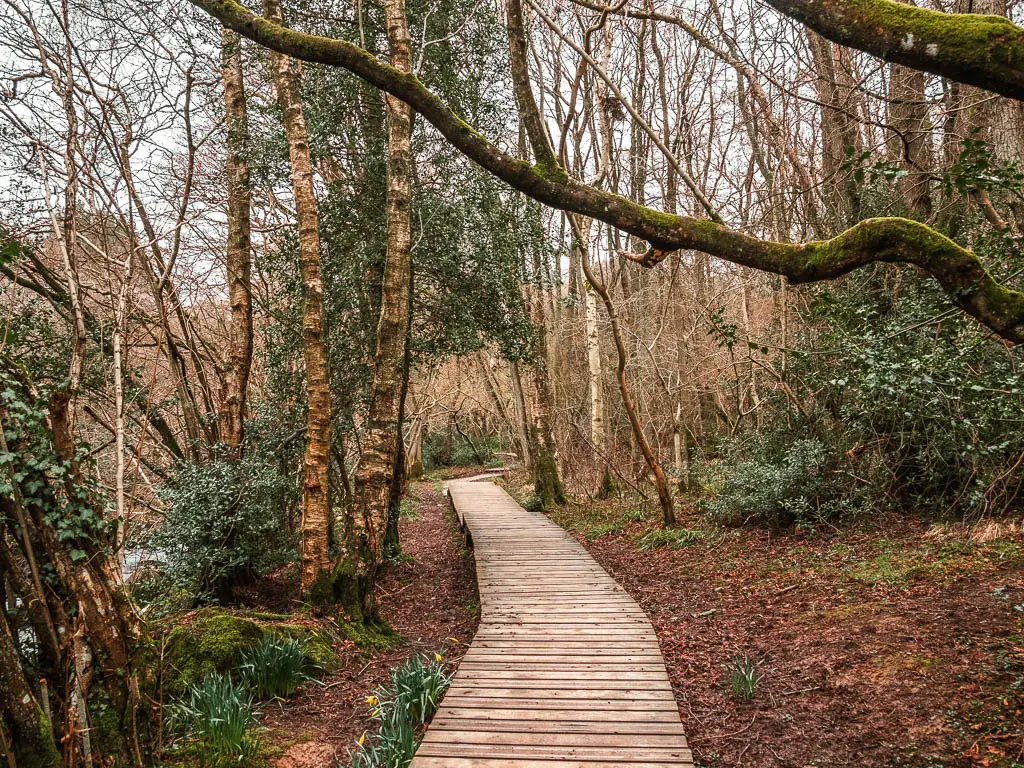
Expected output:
(316, 522)
(986, 52)
(522, 414)
(239, 265)
(546, 481)
(86, 611)
(909, 138)
(838, 129)
(999, 122)
(31, 736)
(367, 519)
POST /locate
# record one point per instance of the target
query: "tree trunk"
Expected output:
(400, 470)
(26, 731)
(839, 136)
(995, 120)
(82, 614)
(316, 522)
(239, 357)
(366, 522)
(909, 139)
(508, 414)
(546, 481)
(660, 481)
(521, 415)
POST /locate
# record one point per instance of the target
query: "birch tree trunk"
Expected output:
(367, 519)
(119, 336)
(239, 263)
(316, 522)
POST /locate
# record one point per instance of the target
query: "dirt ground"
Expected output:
(895, 644)
(898, 645)
(429, 597)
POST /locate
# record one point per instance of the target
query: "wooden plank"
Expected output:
(622, 730)
(439, 736)
(428, 761)
(649, 755)
(565, 668)
(625, 693)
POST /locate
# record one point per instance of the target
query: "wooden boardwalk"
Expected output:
(565, 668)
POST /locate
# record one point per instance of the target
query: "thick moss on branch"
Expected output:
(986, 51)
(958, 270)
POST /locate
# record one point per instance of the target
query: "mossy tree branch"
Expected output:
(529, 113)
(985, 51)
(958, 270)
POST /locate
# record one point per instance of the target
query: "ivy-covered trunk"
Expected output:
(366, 522)
(55, 550)
(25, 729)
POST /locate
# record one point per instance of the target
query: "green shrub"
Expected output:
(533, 503)
(914, 404)
(224, 521)
(275, 667)
(453, 450)
(743, 677)
(775, 484)
(928, 416)
(217, 718)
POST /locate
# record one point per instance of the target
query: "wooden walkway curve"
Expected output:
(565, 667)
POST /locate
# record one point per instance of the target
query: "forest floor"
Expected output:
(429, 597)
(898, 644)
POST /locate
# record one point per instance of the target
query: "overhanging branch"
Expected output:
(985, 51)
(957, 269)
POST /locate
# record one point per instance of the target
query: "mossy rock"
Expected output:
(213, 641)
(216, 640)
